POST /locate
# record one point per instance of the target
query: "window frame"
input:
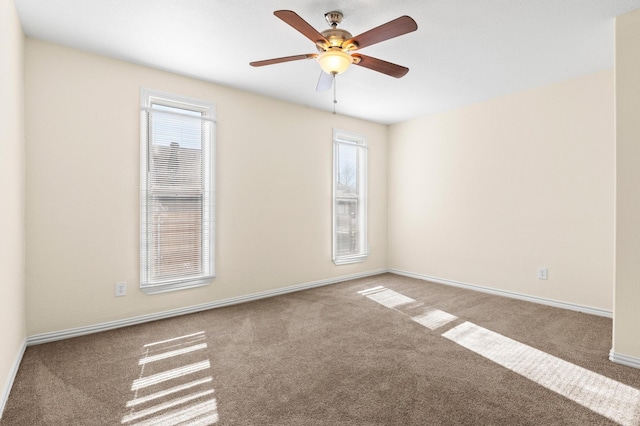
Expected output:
(342, 137)
(148, 98)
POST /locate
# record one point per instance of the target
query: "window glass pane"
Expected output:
(175, 152)
(176, 237)
(173, 128)
(176, 194)
(346, 226)
(347, 162)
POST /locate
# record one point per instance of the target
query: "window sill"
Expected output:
(345, 260)
(175, 286)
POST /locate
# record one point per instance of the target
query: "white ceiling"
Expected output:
(464, 51)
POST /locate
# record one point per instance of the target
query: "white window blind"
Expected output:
(177, 192)
(349, 198)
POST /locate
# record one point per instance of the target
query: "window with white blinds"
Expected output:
(349, 198)
(177, 192)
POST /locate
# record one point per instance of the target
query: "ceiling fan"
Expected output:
(335, 46)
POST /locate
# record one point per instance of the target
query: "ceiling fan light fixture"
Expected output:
(334, 61)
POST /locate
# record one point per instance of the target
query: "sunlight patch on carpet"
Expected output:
(178, 340)
(607, 397)
(175, 373)
(201, 414)
(434, 318)
(430, 317)
(167, 392)
(172, 353)
(174, 386)
(386, 297)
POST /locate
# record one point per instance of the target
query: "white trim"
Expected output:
(4, 396)
(148, 96)
(345, 260)
(81, 331)
(179, 114)
(627, 360)
(534, 299)
(180, 285)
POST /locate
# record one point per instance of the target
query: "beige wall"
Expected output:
(627, 282)
(485, 194)
(12, 305)
(82, 186)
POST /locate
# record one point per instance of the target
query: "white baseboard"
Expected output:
(81, 331)
(519, 296)
(4, 396)
(627, 360)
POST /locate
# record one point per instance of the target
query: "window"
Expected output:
(349, 198)
(176, 192)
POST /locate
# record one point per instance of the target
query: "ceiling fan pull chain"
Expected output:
(334, 93)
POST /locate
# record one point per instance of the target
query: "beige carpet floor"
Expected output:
(384, 350)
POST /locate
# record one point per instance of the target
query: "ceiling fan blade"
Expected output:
(302, 26)
(284, 59)
(379, 65)
(324, 82)
(391, 29)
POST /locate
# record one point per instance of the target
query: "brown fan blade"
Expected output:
(391, 29)
(325, 82)
(302, 26)
(379, 65)
(284, 59)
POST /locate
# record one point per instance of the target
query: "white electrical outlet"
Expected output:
(121, 288)
(543, 273)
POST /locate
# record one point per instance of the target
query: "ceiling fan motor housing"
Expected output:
(336, 37)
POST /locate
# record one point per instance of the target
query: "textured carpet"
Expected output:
(385, 350)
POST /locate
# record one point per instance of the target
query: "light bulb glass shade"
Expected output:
(334, 61)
